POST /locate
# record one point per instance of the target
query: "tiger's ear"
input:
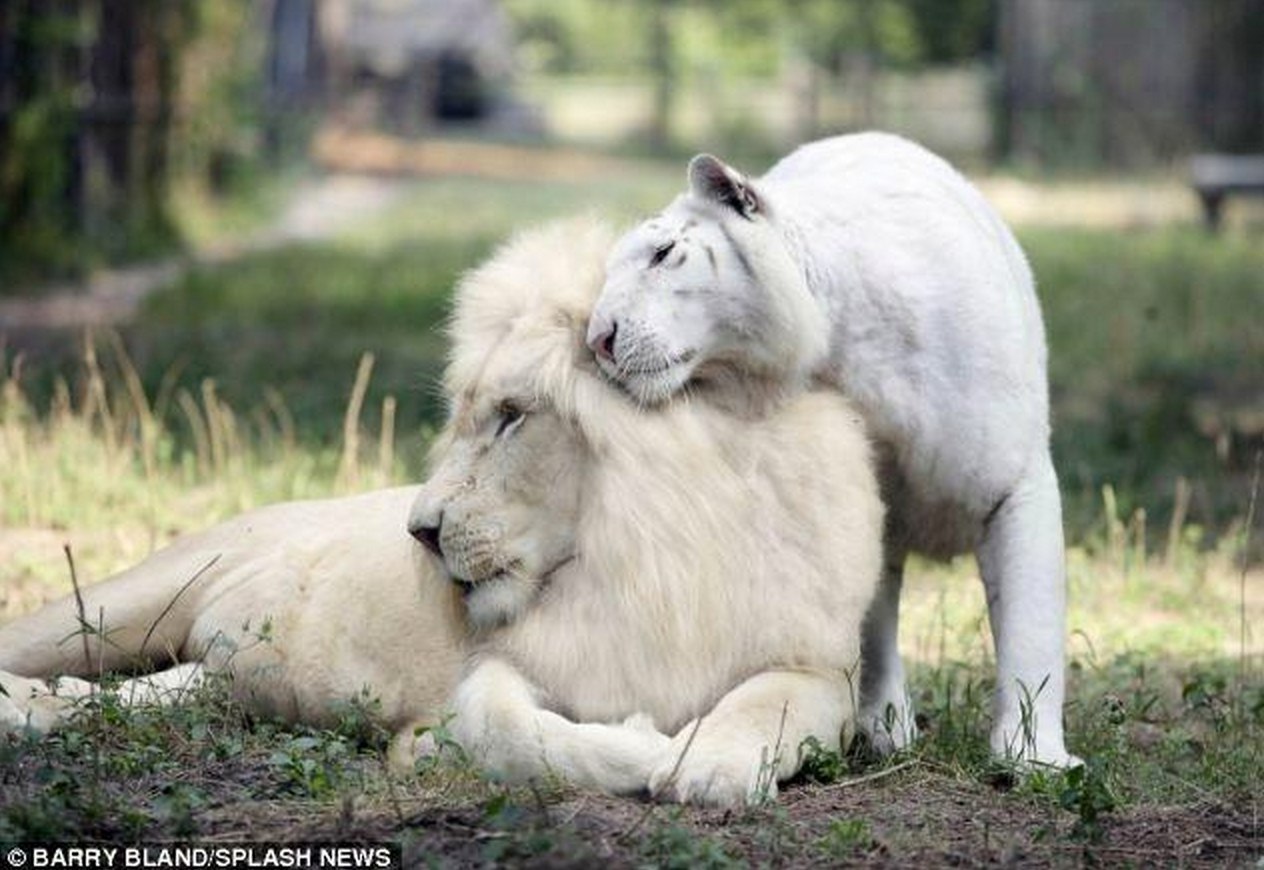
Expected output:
(711, 178)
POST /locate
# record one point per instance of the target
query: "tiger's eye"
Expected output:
(661, 253)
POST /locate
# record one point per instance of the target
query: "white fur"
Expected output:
(306, 604)
(934, 331)
(620, 566)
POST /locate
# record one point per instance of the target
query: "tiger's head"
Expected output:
(705, 288)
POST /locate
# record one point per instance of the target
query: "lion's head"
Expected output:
(503, 500)
(501, 505)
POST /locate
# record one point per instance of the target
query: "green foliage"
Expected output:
(1084, 791)
(110, 114)
(671, 845)
(520, 830)
(748, 37)
(844, 838)
(1147, 345)
(36, 160)
(1087, 793)
(953, 707)
(580, 36)
(821, 764)
(312, 763)
(448, 752)
(218, 141)
(116, 772)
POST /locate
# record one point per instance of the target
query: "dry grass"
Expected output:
(115, 473)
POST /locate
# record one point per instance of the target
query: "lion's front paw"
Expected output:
(714, 771)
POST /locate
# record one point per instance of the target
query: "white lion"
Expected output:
(613, 567)
(869, 264)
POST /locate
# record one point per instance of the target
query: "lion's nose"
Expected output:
(427, 535)
(601, 339)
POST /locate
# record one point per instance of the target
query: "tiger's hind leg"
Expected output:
(1021, 559)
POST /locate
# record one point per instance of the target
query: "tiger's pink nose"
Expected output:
(601, 339)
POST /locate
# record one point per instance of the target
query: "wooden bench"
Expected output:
(1216, 176)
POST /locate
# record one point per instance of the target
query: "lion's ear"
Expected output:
(711, 178)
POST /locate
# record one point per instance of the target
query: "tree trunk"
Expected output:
(663, 69)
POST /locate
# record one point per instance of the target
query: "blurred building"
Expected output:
(408, 63)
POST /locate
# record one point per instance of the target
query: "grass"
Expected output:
(232, 390)
(1154, 366)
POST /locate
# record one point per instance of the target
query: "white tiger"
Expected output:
(868, 263)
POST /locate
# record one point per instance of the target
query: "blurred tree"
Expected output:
(106, 104)
(223, 99)
(813, 44)
(952, 31)
(1229, 77)
(40, 56)
(1129, 82)
(548, 35)
(584, 37)
(86, 111)
(664, 68)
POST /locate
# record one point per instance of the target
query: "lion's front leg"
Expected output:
(500, 722)
(754, 738)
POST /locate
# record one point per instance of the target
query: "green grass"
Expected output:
(1153, 343)
(294, 322)
(1154, 354)
(232, 389)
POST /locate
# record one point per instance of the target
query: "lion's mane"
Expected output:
(710, 547)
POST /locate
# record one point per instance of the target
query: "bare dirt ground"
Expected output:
(913, 814)
(916, 819)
